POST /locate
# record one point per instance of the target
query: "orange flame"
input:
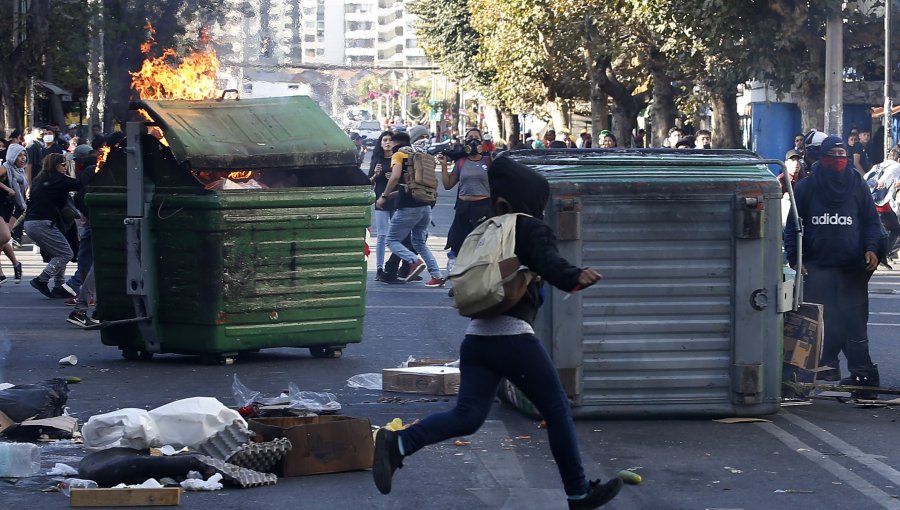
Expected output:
(101, 157)
(153, 130)
(168, 77)
(240, 175)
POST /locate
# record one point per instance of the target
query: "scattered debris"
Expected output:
(792, 491)
(366, 381)
(199, 484)
(60, 469)
(730, 421)
(70, 360)
(629, 477)
(461, 443)
(734, 471)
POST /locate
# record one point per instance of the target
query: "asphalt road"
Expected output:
(826, 455)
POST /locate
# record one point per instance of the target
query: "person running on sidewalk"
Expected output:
(49, 192)
(840, 243)
(411, 218)
(506, 347)
(12, 204)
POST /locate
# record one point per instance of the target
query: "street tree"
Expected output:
(22, 45)
(445, 32)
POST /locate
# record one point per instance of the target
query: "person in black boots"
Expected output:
(504, 346)
(841, 238)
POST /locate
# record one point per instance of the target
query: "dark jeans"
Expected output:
(892, 225)
(521, 359)
(844, 292)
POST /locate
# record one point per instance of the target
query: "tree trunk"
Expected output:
(811, 100)
(624, 121)
(511, 129)
(726, 132)
(96, 98)
(560, 115)
(663, 111)
(492, 121)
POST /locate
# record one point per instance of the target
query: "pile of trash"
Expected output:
(191, 444)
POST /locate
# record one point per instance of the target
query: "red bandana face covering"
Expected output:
(834, 163)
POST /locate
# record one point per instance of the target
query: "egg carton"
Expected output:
(242, 477)
(261, 456)
(226, 442)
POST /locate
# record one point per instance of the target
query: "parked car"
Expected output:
(369, 130)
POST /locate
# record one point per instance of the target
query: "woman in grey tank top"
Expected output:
(473, 199)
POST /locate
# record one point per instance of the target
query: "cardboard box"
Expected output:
(804, 333)
(320, 444)
(429, 380)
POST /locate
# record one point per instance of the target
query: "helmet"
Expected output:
(813, 141)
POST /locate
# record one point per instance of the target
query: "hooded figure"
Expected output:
(842, 233)
(525, 190)
(15, 174)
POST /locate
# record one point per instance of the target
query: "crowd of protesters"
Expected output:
(43, 175)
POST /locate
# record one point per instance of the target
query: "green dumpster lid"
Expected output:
(249, 134)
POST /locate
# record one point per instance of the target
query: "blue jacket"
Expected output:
(836, 236)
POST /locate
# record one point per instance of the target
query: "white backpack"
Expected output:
(488, 278)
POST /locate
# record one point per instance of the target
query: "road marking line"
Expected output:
(847, 449)
(845, 475)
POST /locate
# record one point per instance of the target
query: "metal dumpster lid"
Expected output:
(630, 164)
(276, 132)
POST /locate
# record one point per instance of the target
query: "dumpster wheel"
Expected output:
(136, 355)
(322, 351)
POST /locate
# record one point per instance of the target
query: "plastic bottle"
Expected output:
(76, 483)
(19, 460)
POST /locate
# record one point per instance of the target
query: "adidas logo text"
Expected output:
(831, 219)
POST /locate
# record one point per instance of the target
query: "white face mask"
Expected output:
(48, 138)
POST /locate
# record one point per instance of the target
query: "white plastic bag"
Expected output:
(370, 381)
(191, 421)
(128, 428)
(186, 422)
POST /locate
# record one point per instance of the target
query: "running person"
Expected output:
(12, 203)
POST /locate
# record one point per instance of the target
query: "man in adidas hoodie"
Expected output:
(505, 346)
(841, 234)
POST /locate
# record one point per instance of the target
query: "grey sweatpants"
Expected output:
(51, 242)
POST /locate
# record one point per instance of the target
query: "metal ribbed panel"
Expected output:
(658, 327)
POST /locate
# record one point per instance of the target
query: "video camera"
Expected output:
(448, 148)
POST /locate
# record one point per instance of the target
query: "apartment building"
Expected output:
(364, 33)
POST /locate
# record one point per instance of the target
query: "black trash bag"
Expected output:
(42, 400)
(129, 466)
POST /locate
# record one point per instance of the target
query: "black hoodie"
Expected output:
(528, 192)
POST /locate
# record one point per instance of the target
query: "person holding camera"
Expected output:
(473, 204)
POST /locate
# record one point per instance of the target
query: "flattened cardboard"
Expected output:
(804, 333)
(429, 362)
(429, 380)
(320, 444)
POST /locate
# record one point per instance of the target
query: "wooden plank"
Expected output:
(164, 496)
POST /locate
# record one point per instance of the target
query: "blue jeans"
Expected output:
(413, 222)
(382, 224)
(52, 243)
(85, 258)
(521, 359)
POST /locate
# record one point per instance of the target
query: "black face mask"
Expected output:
(473, 147)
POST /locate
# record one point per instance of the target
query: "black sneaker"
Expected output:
(868, 377)
(17, 272)
(379, 274)
(59, 293)
(79, 319)
(386, 460)
(41, 287)
(3, 279)
(598, 494)
(391, 279)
